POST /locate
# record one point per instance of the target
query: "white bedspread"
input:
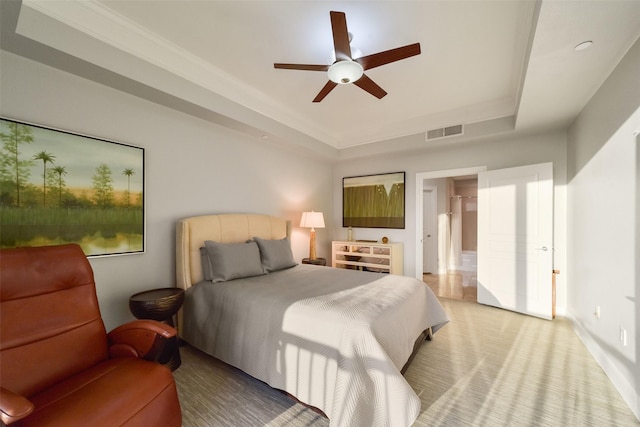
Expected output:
(335, 339)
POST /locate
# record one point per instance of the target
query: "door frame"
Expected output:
(420, 177)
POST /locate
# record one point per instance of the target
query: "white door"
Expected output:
(515, 239)
(429, 235)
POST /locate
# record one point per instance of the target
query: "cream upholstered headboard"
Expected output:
(224, 228)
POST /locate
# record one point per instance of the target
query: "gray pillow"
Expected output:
(276, 254)
(206, 263)
(230, 261)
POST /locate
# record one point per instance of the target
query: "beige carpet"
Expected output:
(488, 367)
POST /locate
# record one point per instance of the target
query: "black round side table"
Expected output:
(157, 304)
(160, 304)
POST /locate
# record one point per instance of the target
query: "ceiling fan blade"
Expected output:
(340, 36)
(370, 86)
(381, 58)
(325, 91)
(305, 67)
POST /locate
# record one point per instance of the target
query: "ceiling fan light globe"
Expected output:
(345, 72)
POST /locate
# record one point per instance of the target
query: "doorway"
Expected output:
(453, 227)
(515, 236)
(458, 279)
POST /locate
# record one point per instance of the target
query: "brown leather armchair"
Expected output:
(58, 366)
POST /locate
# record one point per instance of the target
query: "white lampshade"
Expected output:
(345, 72)
(312, 220)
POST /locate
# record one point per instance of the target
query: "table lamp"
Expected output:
(312, 220)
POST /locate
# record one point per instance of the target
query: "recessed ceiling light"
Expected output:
(584, 45)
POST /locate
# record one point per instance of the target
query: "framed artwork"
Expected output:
(61, 187)
(373, 201)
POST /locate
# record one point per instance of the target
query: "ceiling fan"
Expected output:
(346, 69)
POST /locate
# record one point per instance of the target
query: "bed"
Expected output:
(334, 339)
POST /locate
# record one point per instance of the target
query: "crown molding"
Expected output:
(101, 23)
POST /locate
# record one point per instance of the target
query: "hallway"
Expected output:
(457, 284)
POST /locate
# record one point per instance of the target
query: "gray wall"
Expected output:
(192, 167)
(604, 226)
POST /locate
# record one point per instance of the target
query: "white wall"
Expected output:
(494, 153)
(604, 225)
(192, 167)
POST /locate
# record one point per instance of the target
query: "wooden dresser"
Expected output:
(367, 256)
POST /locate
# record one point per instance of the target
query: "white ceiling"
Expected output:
(482, 61)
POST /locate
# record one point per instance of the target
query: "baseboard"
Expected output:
(619, 381)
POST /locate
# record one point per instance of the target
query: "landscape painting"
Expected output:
(59, 187)
(373, 201)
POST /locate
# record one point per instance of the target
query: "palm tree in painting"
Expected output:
(46, 158)
(128, 172)
(60, 170)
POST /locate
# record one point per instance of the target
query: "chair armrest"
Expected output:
(13, 407)
(145, 339)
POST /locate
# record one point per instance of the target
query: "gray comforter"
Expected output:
(336, 339)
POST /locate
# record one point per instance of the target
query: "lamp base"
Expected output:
(312, 245)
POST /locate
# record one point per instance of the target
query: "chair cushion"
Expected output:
(121, 391)
(49, 314)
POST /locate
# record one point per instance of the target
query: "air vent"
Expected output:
(435, 133)
(445, 132)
